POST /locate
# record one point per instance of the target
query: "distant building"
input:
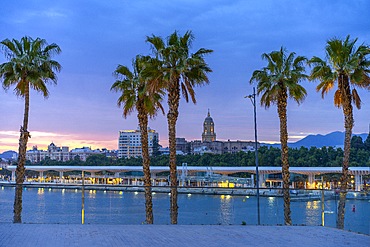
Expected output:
(54, 153)
(83, 153)
(183, 146)
(3, 163)
(129, 143)
(57, 153)
(215, 147)
(166, 151)
(209, 144)
(208, 134)
(61, 153)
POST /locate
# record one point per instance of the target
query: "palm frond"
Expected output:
(356, 98)
(30, 65)
(345, 64)
(338, 99)
(283, 73)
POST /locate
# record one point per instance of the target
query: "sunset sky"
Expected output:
(95, 36)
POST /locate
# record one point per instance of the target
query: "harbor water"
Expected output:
(63, 205)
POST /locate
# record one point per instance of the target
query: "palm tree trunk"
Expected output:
(173, 103)
(20, 171)
(282, 106)
(143, 122)
(348, 125)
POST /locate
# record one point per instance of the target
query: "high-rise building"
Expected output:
(208, 134)
(129, 143)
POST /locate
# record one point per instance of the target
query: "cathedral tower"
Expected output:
(209, 134)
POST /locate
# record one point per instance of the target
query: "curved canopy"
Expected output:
(214, 169)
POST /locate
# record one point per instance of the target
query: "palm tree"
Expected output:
(29, 67)
(348, 66)
(179, 70)
(133, 87)
(276, 82)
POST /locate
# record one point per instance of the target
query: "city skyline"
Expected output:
(97, 36)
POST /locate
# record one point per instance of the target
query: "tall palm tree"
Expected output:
(276, 82)
(347, 66)
(179, 70)
(30, 66)
(135, 95)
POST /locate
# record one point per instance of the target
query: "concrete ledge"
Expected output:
(176, 235)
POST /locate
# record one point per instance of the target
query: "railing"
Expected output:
(118, 204)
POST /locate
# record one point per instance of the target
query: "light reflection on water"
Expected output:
(40, 191)
(226, 210)
(313, 212)
(117, 207)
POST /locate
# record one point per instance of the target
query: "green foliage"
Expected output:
(29, 66)
(367, 143)
(98, 160)
(356, 142)
(345, 65)
(282, 75)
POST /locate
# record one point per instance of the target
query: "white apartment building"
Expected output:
(129, 143)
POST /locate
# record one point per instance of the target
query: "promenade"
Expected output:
(176, 235)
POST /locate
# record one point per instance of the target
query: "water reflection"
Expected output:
(92, 194)
(40, 191)
(117, 207)
(312, 205)
(226, 210)
(271, 201)
(313, 213)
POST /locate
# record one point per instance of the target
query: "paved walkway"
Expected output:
(176, 235)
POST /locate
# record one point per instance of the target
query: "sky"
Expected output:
(95, 36)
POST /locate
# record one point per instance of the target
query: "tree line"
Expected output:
(267, 156)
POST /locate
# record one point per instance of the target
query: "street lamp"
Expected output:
(252, 97)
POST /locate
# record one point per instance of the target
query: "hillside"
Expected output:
(333, 139)
(7, 155)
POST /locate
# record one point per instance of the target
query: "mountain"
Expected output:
(7, 155)
(334, 139)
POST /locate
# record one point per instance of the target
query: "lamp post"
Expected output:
(252, 97)
(83, 199)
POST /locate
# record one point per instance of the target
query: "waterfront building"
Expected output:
(129, 143)
(216, 176)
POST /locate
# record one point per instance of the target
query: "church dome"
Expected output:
(208, 118)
